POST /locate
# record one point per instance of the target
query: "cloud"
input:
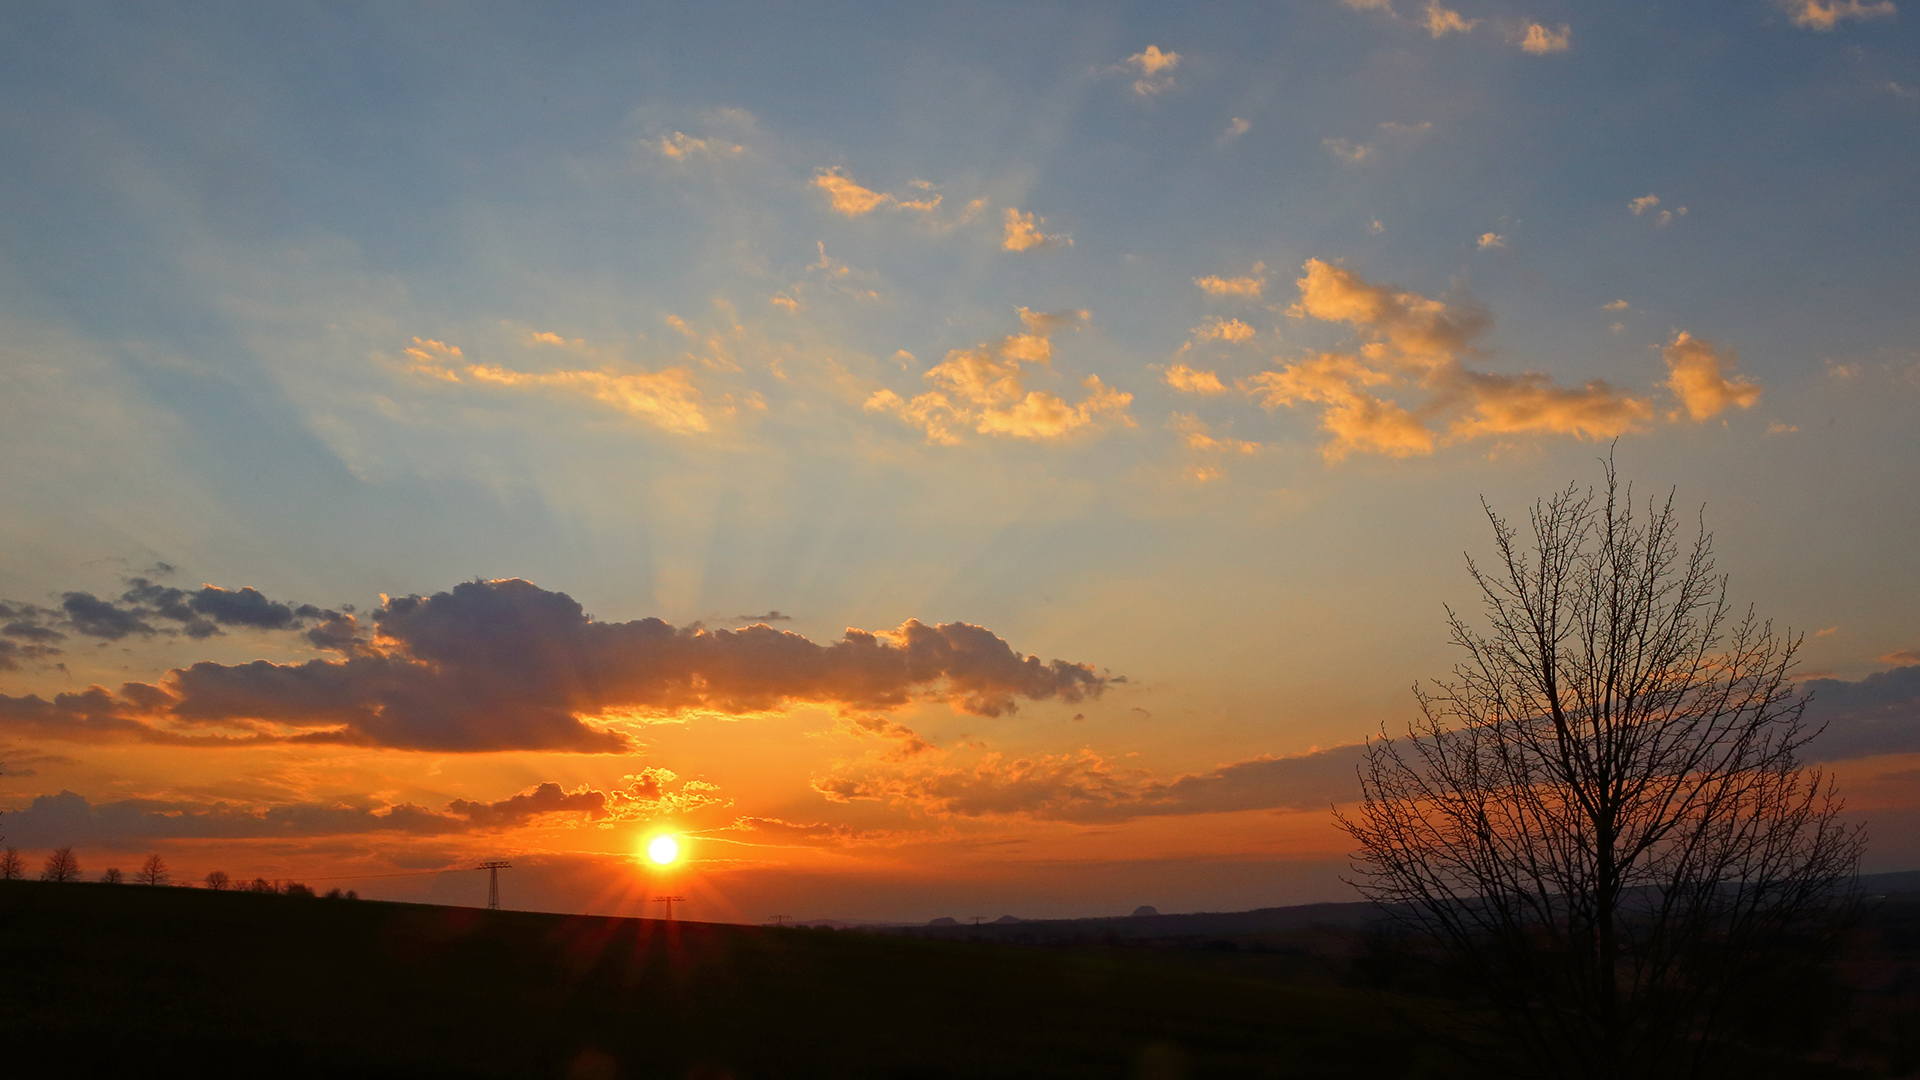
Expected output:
(1879, 714)
(507, 665)
(1441, 22)
(1702, 377)
(1491, 240)
(69, 818)
(1230, 330)
(1353, 153)
(1539, 40)
(1824, 16)
(1346, 150)
(1643, 204)
(1086, 787)
(667, 398)
(148, 609)
(984, 388)
(847, 197)
(1906, 657)
(906, 743)
(1370, 5)
(1614, 305)
(1154, 68)
(1412, 343)
(1192, 381)
(816, 833)
(1205, 449)
(680, 146)
(1023, 233)
(1235, 128)
(1239, 288)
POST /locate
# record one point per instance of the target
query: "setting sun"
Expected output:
(663, 849)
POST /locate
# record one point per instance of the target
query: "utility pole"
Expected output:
(669, 901)
(493, 882)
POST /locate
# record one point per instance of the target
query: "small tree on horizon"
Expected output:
(112, 876)
(1600, 824)
(12, 866)
(61, 866)
(153, 871)
(217, 880)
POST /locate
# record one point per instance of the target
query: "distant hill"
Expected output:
(125, 980)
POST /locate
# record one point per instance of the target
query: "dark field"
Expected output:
(132, 980)
(125, 980)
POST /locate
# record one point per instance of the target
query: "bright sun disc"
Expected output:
(663, 849)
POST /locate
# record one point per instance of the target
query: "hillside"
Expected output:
(104, 978)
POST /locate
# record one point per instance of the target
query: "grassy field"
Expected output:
(132, 981)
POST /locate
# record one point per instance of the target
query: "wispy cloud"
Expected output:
(1490, 240)
(1539, 40)
(1192, 381)
(1441, 21)
(667, 398)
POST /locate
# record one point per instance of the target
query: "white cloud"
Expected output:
(1238, 127)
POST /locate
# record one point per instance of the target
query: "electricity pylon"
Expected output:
(669, 901)
(493, 882)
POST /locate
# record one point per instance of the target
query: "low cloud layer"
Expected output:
(507, 665)
(1087, 787)
(68, 818)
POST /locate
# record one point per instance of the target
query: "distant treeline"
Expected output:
(63, 865)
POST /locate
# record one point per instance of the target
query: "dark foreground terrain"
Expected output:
(125, 980)
(137, 981)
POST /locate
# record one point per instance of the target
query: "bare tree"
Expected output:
(1601, 822)
(218, 880)
(153, 871)
(112, 876)
(60, 866)
(12, 866)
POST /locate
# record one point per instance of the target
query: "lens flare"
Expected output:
(663, 849)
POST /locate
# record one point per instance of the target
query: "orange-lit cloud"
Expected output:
(667, 398)
(506, 665)
(1023, 233)
(1205, 450)
(1539, 40)
(680, 146)
(1239, 288)
(1414, 344)
(1491, 240)
(1903, 657)
(1086, 786)
(1231, 330)
(1193, 381)
(1824, 15)
(1154, 68)
(1440, 21)
(984, 389)
(1701, 376)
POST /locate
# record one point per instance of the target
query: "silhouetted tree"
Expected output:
(153, 871)
(1601, 822)
(112, 876)
(261, 885)
(12, 866)
(60, 866)
(218, 880)
(295, 888)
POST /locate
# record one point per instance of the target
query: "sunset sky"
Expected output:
(965, 459)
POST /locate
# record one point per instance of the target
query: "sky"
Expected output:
(933, 460)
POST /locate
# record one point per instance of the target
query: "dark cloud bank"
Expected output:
(499, 665)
